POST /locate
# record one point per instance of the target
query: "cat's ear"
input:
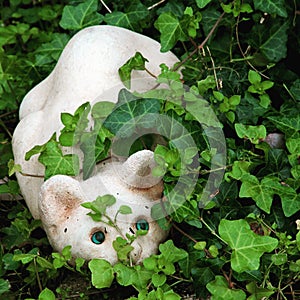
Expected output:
(136, 171)
(60, 196)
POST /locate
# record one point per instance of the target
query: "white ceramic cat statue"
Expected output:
(87, 70)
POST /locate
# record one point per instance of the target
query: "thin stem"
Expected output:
(291, 95)
(242, 52)
(297, 12)
(156, 4)
(211, 230)
(184, 233)
(214, 69)
(5, 128)
(37, 275)
(214, 170)
(179, 280)
(202, 44)
(104, 4)
(150, 73)
(266, 275)
(8, 113)
(113, 224)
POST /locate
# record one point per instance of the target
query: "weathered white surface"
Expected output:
(67, 223)
(88, 71)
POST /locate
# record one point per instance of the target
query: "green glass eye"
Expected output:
(142, 225)
(98, 237)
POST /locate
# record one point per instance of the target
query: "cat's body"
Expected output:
(86, 71)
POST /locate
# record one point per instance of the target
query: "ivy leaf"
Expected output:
(130, 19)
(158, 279)
(254, 77)
(13, 168)
(56, 162)
(124, 274)
(209, 17)
(95, 146)
(239, 168)
(247, 247)
(271, 7)
(74, 125)
(253, 133)
(125, 210)
(248, 111)
(137, 62)
(37, 149)
(172, 30)
(131, 113)
(293, 145)
(202, 3)
(201, 277)
(295, 89)
(288, 125)
(171, 253)
(263, 192)
(141, 277)
(276, 163)
(80, 16)
(46, 294)
(4, 286)
(274, 48)
(220, 290)
(258, 293)
(50, 52)
(123, 248)
(102, 273)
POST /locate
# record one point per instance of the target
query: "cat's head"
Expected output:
(66, 221)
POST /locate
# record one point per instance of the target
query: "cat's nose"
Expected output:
(136, 253)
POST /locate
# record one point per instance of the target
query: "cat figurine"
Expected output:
(87, 70)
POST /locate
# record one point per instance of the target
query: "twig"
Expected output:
(150, 73)
(242, 52)
(8, 113)
(184, 233)
(213, 232)
(180, 230)
(203, 172)
(156, 4)
(214, 69)
(228, 278)
(37, 275)
(5, 128)
(104, 4)
(202, 44)
(174, 225)
(289, 92)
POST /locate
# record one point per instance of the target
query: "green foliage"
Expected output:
(46, 294)
(135, 63)
(80, 16)
(132, 16)
(102, 273)
(130, 114)
(247, 246)
(263, 193)
(237, 239)
(173, 29)
(253, 133)
(149, 279)
(220, 290)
